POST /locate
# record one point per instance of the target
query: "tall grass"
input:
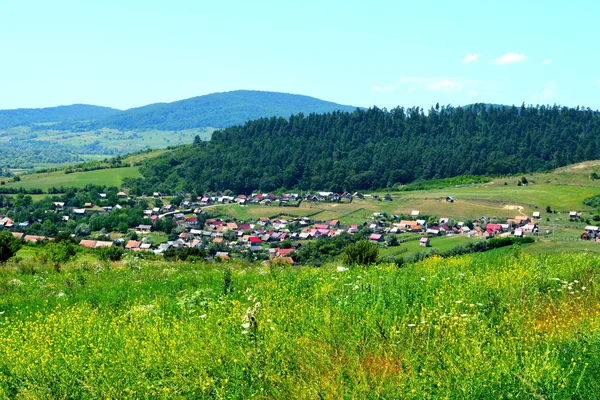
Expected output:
(476, 326)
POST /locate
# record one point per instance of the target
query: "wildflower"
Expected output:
(246, 325)
(61, 294)
(458, 301)
(583, 287)
(15, 282)
(342, 269)
(202, 316)
(411, 325)
(422, 278)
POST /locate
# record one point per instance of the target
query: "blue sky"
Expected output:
(129, 53)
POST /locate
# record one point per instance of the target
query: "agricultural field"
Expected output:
(45, 181)
(151, 329)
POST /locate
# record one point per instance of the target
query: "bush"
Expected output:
(361, 253)
(113, 253)
(9, 246)
(59, 253)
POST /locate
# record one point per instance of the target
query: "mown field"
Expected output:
(44, 181)
(491, 326)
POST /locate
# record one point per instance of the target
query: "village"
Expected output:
(191, 222)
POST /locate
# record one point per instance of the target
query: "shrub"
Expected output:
(59, 253)
(361, 253)
(9, 246)
(113, 253)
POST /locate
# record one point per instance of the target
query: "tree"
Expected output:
(361, 253)
(82, 230)
(391, 240)
(9, 246)
(59, 253)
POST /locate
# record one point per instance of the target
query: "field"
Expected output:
(44, 181)
(508, 325)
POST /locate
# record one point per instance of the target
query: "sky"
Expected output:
(129, 53)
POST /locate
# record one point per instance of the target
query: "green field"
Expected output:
(44, 181)
(498, 325)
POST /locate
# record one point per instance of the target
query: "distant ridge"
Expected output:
(75, 112)
(219, 110)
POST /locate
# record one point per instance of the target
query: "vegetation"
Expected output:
(218, 110)
(146, 329)
(76, 112)
(8, 246)
(370, 149)
(361, 253)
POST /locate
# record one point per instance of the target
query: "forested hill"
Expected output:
(75, 112)
(374, 148)
(218, 110)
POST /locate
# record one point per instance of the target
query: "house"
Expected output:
(353, 229)
(144, 228)
(424, 242)
(255, 243)
(59, 204)
(89, 244)
(222, 254)
(102, 195)
(493, 229)
(88, 205)
(35, 239)
(133, 244)
(530, 227)
(518, 232)
(432, 231)
(79, 211)
(284, 252)
(521, 219)
(375, 237)
(100, 243)
(574, 214)
(122, 195)
(387, 197)
(145, 246)
(17, 235)
(334, 223)
(536, 215)
(415, 213)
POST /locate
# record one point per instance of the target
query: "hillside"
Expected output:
(218, 110)
(139, 328)
(32, 138)
(75, 112)
(371, 149)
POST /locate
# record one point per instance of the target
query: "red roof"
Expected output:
(375, 236)
(285, 252)
(254, 239)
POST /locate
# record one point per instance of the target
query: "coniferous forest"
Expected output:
(376, 148)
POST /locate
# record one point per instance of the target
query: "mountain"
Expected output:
(217, 110)
(372, 149)
(75, 112)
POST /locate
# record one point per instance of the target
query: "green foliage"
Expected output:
(113, 253)
(593, 201)
(371, 149)
(59, 253)
(8, 246)
(361, 253)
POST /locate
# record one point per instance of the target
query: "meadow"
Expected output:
(492, 325)
(47, 180)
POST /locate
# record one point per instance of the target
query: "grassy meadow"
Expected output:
(44, 181)
(493, 325)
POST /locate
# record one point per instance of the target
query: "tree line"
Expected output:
(376, 148)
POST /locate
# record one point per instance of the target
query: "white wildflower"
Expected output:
(244, 332)
(422, 278)
(61, 294)
(411, 325)
(202, 316)
(583, 287)
(342, 269)
(458, 301)
(246, 325)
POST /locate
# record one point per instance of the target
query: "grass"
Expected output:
(44, 181)
(479, 326)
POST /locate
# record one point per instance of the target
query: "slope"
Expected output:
(75, 112)
(218, 110)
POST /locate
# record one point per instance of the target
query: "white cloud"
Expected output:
(445, 85)
(384, 88)
(470, 57)
(550, 92)
(449, 84)
(547, 62)
(510, 58)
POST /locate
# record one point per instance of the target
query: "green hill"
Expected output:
(75, 112)
(218, 110)
(371, 149)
